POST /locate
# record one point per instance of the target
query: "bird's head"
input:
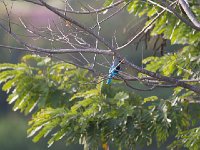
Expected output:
(121, 61)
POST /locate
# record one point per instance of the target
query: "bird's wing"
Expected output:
(112, 68)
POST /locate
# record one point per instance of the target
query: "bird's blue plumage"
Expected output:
(109, 81)
(113, 71)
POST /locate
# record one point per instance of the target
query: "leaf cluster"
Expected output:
(183, 63)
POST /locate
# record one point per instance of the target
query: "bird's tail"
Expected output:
(109, 81)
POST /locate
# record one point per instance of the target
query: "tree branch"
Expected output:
(189, 13)
(187, 22)
(137, 89)
(195, 24)
(160, 77)
(60, 51)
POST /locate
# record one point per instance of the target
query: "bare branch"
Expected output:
(110, 16)
(157, 4)
(82, 12)
(101, 39)
(160, 77)
(137, 89)
(8, 14)
(60, 51)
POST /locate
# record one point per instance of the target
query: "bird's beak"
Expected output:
(122, 61)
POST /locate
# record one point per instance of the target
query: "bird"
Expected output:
(114, 70)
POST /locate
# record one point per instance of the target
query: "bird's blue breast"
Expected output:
(113, 71)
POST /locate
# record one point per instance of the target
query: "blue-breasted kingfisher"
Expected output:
(114, 69)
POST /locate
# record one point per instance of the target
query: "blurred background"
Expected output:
(13, 125)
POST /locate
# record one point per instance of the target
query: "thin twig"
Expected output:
(137, 89)
(145, 29)
(110, 16)
(8, 14)
(82, 12)
(101, 39)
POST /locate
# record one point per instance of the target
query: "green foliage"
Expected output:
(167, 24)
(39, 82)
(67, 106)
(107, 3)
(190, 139)
(182, 64)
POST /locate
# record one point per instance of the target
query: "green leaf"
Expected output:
(121, 96)
(150, 99)
(107, 3)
